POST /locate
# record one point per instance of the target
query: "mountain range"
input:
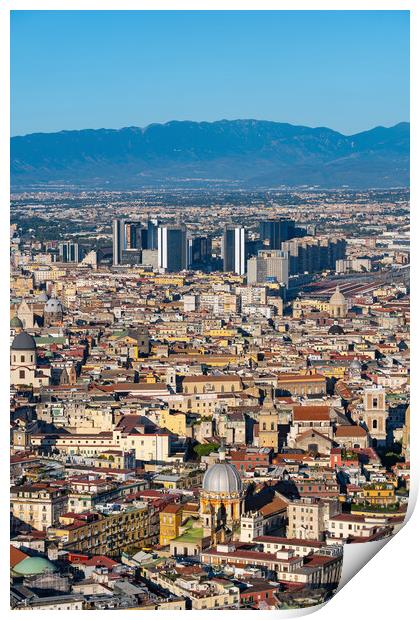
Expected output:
(226, 153)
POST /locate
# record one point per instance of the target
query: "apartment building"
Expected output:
(38, 505)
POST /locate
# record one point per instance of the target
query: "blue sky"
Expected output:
(348, 70)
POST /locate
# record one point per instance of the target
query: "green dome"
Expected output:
(16, 322)
(34, 566)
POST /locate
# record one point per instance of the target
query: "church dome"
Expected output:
(337, 298)
(23, 342)
(15, 322)
(53, 306)
(222, 478)
(34, 566)
(336, 330)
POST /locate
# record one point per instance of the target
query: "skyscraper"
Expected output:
(133, 235)
(152, 234)
(274, 232)
(118, 230)
(233, 249)
(128, 239)
(172, 247)
(69, 252)
(199, 251)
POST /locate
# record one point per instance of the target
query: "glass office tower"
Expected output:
(233, 249)
(172, 248)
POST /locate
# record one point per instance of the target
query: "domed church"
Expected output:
(338, 304)
(221, 499)
(23, 359)
(23, 369)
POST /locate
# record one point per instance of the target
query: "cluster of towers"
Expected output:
(168, 248)
(163, 246)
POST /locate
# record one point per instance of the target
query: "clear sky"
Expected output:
(348, 70)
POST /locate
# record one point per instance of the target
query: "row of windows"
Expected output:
(208, 388)
(79, 441)
(23, 358)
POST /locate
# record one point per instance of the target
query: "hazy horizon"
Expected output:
(175, 120)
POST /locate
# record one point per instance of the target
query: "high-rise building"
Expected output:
(118, 227)
(312, 254)
(128, 239)
(152, 234)
(69, 252)
(143, 238)
(172, 248)
(233, 249)
(274, 232)
(269, 265)
(199, 251)
(134, 235)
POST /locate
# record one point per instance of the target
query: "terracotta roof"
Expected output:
(274, 506)
(350, 431)
(313, 433)
(172, 508)
(320, 560)
(16, 556)
(305, 414)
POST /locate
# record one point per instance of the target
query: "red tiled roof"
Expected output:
(311, 412)
(350, 431)
(16, 556)
(172, 508)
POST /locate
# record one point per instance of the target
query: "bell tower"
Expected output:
(268, 422)
(375, 414)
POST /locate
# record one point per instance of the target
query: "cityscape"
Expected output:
(209, 336)
(205, 410)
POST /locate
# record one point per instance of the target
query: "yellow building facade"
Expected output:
(170, 523)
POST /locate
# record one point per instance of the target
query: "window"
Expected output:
(374, 403)
(22, 358)
(21, 374)
(375, 424)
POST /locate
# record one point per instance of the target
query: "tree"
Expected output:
(204, 449)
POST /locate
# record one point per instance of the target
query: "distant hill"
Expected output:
(239, 153)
